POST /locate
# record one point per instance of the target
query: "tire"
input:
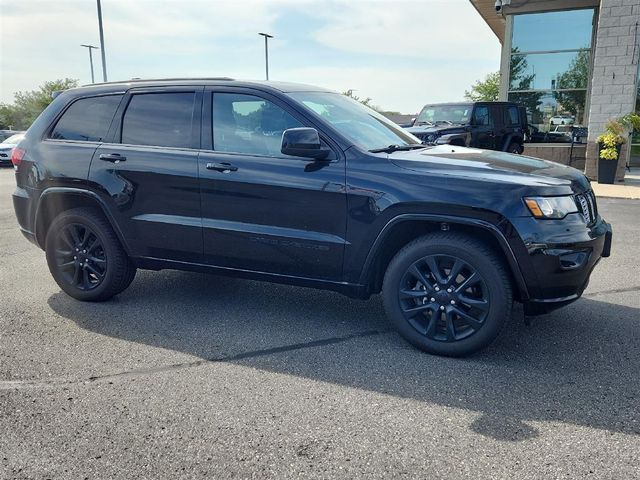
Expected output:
(85, 256)
(515, 147)
(436, 316)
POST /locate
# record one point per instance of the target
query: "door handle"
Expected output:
(222, 167)
(112, 157)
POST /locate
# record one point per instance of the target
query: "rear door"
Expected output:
(147, 173)
(262, 210)
(483, 128)
(512, 125)
(71, 142)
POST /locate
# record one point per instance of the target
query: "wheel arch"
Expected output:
(513, 137)
(56, 200)
(403, 229)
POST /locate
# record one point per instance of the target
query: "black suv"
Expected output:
(488, 125)
(299, 185)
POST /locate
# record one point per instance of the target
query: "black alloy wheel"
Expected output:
(444, 298)
(80, 256)
(448, 293)
(85, 257)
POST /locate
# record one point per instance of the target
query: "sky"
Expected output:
(402, 54)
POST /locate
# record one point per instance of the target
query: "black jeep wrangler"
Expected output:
(488, 125)
(296, 184)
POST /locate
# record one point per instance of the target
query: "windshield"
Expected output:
(460, 113)
(362, 125)
(14, 138)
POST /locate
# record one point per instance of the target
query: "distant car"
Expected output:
(486, 125)
(562, 120)
(7, 147)
(4, 134)
(537, 136)
(563, 130)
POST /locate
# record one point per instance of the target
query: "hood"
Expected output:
(439, 130)
(491, 165)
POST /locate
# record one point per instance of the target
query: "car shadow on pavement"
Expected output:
(578, 365)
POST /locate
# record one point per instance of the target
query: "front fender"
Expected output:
(500, 235)
(461, 139)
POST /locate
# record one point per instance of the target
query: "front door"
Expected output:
(262, 210)
(148, 172)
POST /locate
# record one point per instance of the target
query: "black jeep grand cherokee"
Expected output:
(300, 185)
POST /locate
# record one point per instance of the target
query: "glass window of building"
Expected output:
(549, 70)
(635, 139)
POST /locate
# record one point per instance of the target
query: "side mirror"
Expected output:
(303, 142)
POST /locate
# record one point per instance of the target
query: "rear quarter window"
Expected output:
(87, 119)
(511, 116)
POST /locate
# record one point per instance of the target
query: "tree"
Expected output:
(367, 103)
(576, 76)
(486, 90)
(28, 105)
(522, 78)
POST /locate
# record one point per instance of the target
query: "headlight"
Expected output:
(551, 207)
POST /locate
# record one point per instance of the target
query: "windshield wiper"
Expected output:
(425, 122)
(397, 148)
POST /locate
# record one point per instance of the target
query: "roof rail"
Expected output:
(136, 80)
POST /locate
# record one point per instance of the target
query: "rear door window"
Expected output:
(511, 116)
(159, 119)
(87, 119)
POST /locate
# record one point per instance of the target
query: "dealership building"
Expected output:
(574, 65)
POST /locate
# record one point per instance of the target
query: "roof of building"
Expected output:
(497, 22)
(487, 10)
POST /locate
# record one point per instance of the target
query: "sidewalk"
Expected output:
(629, 189)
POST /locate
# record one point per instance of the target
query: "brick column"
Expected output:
(615, 70)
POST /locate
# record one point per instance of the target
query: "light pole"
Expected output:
(104, 60)
(266, 51)
(90, 47)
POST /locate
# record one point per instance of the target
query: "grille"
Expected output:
(425, 137)
(586, 203)
(4, 155)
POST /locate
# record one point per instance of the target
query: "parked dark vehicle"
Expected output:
(299, 185)
(487, 125)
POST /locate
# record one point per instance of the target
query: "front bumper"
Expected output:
(561, 256)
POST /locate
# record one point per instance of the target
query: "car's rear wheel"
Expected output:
(85, 256)
(447, 294)
(515, 147)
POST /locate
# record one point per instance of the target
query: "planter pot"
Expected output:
(607, 168)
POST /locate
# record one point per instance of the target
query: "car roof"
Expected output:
(110, 87)
(469, 103)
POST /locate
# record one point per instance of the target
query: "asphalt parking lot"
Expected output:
(188, 375)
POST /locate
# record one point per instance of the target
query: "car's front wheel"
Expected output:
(85, 256)
(447, 294)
